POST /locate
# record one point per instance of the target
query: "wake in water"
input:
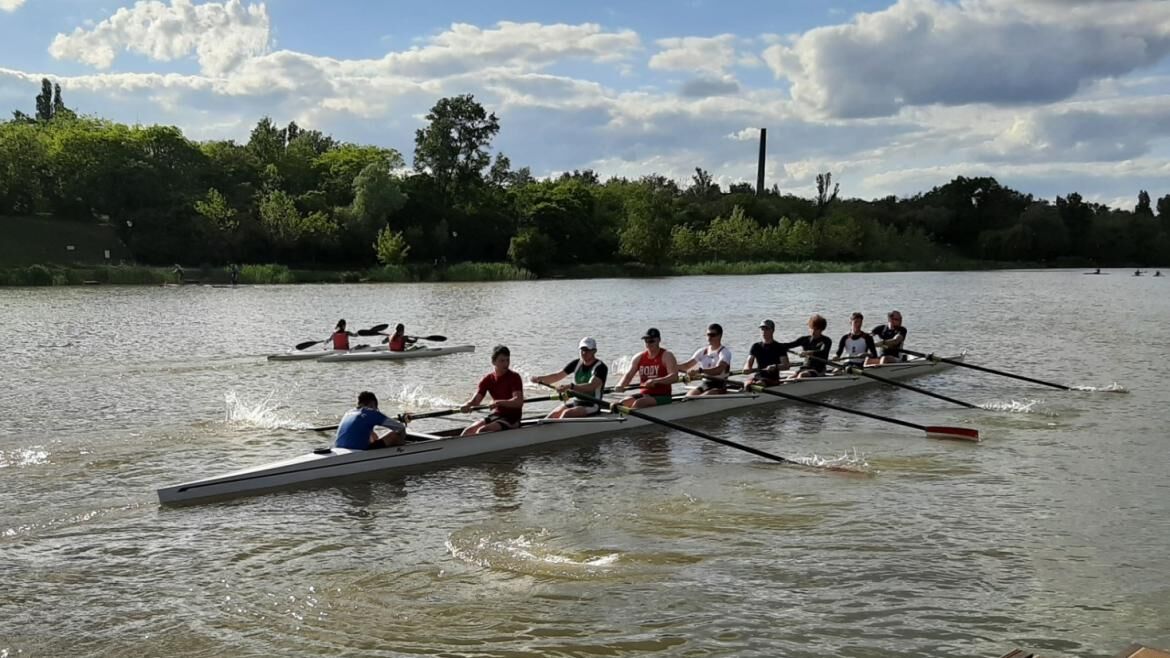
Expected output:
(1017, 406)
(851, 463)
(1111, 388)
(527, 553)
(23, 457)
(265, 414)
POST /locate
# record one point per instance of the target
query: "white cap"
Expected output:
(587, 343)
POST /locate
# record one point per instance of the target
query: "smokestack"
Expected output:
(760, 167)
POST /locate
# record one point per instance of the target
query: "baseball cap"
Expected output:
(652, 333)
(587, 343)
(767, 323)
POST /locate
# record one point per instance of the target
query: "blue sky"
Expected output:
(1049, 96)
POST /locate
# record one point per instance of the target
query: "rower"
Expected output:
(711, 362)
(356, 429)
(890, 337)
(857, 344)
(507, 391)
(815, 348)
(657, 371)
(1158, 273)
(340, 337)
(589, 376)
(766, 357)
(400, 340)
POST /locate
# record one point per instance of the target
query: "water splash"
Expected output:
(852, 463)
(23, 457)
(264, 414)
(414, 398)
(527, 553)
(1025, 406)
(1111, 388)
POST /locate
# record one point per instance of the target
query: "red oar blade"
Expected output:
(961, 433)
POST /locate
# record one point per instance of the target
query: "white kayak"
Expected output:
(304, 355)
(382, 354)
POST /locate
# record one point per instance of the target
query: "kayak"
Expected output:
(304, 355)
(383, 354)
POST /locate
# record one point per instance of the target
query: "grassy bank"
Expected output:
(63, 275)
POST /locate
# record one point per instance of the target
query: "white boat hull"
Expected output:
(335, 463)
(383, 354)
(305, 355)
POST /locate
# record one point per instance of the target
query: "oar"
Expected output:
(675, 426)
(935, 431)
(372, 331)
(854, 370)
(434, 338)
(440, 413)
(932, 357)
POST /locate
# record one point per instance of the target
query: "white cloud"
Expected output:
(10, 5)
(921, 52)
(695, 54)
(220, 34)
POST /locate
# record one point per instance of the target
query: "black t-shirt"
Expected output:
(767, 354)
(583, 374)
(886, 332)
(818, 346)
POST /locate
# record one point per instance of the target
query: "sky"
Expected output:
(1048, 96)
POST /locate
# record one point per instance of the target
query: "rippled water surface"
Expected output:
(1050, 534)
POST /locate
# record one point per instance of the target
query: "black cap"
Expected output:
(652, 333)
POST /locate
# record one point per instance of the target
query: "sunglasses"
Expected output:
(650, 340)
(710, 335)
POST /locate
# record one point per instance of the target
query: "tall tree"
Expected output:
(1143, 205)
(45, 101)
(825, 195)
(454, 145)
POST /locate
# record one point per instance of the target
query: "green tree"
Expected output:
(532, 250)
(391, 247)
(1143, 205)
(454, 145)
(45, 101)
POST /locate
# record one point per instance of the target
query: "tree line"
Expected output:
(299, 197)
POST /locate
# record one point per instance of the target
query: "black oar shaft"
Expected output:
(830, 405)
(675, 426)
(1001, 373)
(863, 373)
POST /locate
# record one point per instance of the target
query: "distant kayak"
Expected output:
(383, 354)
(1097, 273)
(305, 355)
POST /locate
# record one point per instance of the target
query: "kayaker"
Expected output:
(815, 344)
(857, 344)
(766, 358)
(400, 340)
(507, 391)
(340, 337)
(356, 429)
(711, 363)
(589, 376)
(234, 273)
(657, 371)
(888, 339)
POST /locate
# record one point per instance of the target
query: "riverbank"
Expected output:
(75, 275)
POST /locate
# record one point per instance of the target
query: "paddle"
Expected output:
(372, 331)
(675, 426)
(932, 357)
(854, 370)
(930, 430)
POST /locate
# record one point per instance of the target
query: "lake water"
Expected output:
(1051, 534)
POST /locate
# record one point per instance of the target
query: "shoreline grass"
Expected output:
(268, 274)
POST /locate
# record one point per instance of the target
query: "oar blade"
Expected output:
(435, 338)
(305, 345)
(378, 328)
(323, 428)
(959, 433)
(373, 331)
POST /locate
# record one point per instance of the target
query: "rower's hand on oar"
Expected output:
(465, 408)
(620, 388)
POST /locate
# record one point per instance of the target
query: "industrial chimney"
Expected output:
(760, 167)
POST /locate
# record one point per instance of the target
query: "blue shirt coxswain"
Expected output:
(356, 429)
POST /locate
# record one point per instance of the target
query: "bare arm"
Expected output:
(671, 365)
(626, 378)
(474, 401)
(548, 379)
(514, 402)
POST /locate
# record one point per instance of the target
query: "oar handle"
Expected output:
(964, 364)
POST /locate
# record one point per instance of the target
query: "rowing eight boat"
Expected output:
(333, 463)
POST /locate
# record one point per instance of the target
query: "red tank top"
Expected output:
(652, 368)
(397, 343)
(340, 340)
